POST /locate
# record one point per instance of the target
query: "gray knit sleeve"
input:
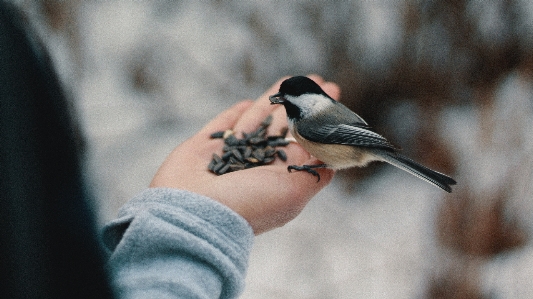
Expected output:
(169, 243)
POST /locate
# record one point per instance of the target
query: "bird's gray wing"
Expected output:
(357, 134)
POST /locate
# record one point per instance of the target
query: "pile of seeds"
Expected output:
(255, 149)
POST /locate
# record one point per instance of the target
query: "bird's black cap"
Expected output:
(298, 85)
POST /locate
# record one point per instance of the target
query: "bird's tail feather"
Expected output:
(436, 178)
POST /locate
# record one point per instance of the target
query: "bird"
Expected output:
(337, 136)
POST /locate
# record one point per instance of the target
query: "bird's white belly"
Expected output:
(336, 156)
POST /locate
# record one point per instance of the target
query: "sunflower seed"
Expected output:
(252, 160)
(231, 140)
(211, 165)
(278, 142)
(227, 155)
(247, 152)
(218, 166)
(235, 167)
(259, 154)
(219, 134)
(227, 134)
(261, 132)
(257, 140)
(224, 169)
(254, 149)
(232, 161)
(217, 158)
(282, 155)
(237, 154)
(269, 151)
(267, 121)
(268, 160)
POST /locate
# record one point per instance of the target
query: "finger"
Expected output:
(203, 144)
(318, 79)
(332, 89)
(226, 119)
(251, 119)
(279, 121)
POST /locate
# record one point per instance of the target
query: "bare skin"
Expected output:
(267, 196)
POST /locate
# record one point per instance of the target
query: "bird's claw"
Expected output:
(307, 168)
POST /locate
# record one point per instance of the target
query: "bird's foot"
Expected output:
(308, 168)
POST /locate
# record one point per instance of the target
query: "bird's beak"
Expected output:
(276, 98)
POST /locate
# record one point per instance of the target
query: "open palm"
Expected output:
(266, 196)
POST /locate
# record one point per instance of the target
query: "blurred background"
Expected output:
(450, 82)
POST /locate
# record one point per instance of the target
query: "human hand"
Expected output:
(266, 196)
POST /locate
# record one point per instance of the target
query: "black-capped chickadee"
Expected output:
(335, 135)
